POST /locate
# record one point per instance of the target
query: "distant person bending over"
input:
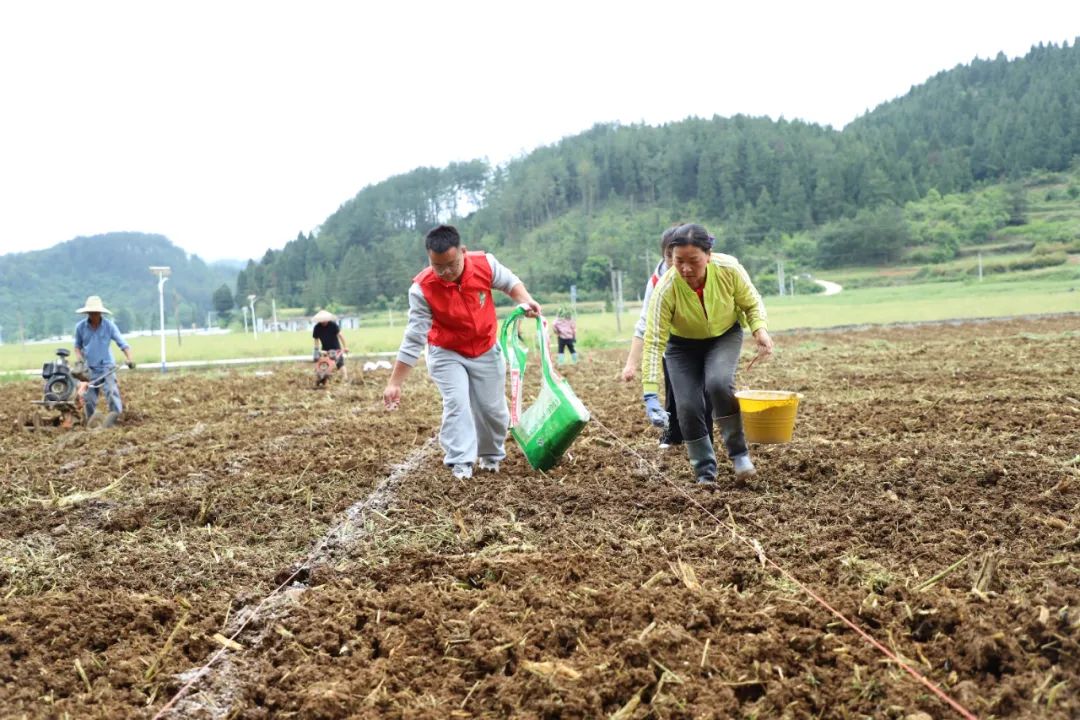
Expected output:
(672, 435)
(452, 311)
(694, 313)
(566, 331)
(93, 338)
(327, 335)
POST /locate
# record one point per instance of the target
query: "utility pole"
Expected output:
(792, 284)
(254, 323)
(617, 297)
(273, 307)
(244, 308)
(176, 313)
(780, 275)
(162, 272)
(619, 279)
(980, 266)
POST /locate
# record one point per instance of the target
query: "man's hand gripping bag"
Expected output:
(548, 427)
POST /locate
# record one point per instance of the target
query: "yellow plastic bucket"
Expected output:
(768, 415)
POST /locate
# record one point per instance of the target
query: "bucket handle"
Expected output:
(750, 366)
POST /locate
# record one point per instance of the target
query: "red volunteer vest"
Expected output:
(462, 312)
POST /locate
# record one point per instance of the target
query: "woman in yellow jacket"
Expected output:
(695, 312)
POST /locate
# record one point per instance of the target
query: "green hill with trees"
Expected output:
(40, 290)
(956, 163)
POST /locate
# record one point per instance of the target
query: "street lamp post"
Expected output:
(254, 328)
(162, 272)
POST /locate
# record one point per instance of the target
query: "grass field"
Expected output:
(962, 268)
(908, 303)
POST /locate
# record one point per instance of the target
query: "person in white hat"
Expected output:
(328, 337)
(93, 337)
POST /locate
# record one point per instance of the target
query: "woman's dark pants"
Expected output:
(673, 435)
(692, 366)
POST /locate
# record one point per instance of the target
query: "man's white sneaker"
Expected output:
(489, 465)
(463, 471)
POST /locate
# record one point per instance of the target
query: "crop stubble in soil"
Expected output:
(594, 589)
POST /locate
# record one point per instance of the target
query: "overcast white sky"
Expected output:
(231, 126)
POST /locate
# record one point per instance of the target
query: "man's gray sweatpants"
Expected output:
(475, 413)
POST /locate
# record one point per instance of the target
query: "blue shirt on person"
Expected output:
(94, 342)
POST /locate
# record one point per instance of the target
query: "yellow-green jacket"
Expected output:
(674, 309)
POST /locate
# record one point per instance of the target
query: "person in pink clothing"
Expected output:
(566, 331)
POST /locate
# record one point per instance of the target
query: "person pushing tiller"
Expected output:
(330, 348)
(93, 337)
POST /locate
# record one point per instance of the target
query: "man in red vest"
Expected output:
(452, 311)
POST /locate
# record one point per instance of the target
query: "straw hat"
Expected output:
(93, 304)
(324, 316)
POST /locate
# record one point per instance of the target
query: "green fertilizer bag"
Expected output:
(547, 428)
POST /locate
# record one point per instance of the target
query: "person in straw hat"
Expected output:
(327, 335)
(93, 337)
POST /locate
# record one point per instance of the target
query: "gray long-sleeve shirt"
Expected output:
(416, 331)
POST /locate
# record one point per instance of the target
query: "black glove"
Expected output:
(131, 364)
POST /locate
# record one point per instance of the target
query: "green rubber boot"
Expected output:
(703, 459)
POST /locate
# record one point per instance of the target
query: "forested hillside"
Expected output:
(40, 291)
(569, 212)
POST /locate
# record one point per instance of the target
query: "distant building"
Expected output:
(285, 325)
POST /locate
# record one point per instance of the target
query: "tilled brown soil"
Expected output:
(931, 494)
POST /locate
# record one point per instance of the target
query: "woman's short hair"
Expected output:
(692, 234)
